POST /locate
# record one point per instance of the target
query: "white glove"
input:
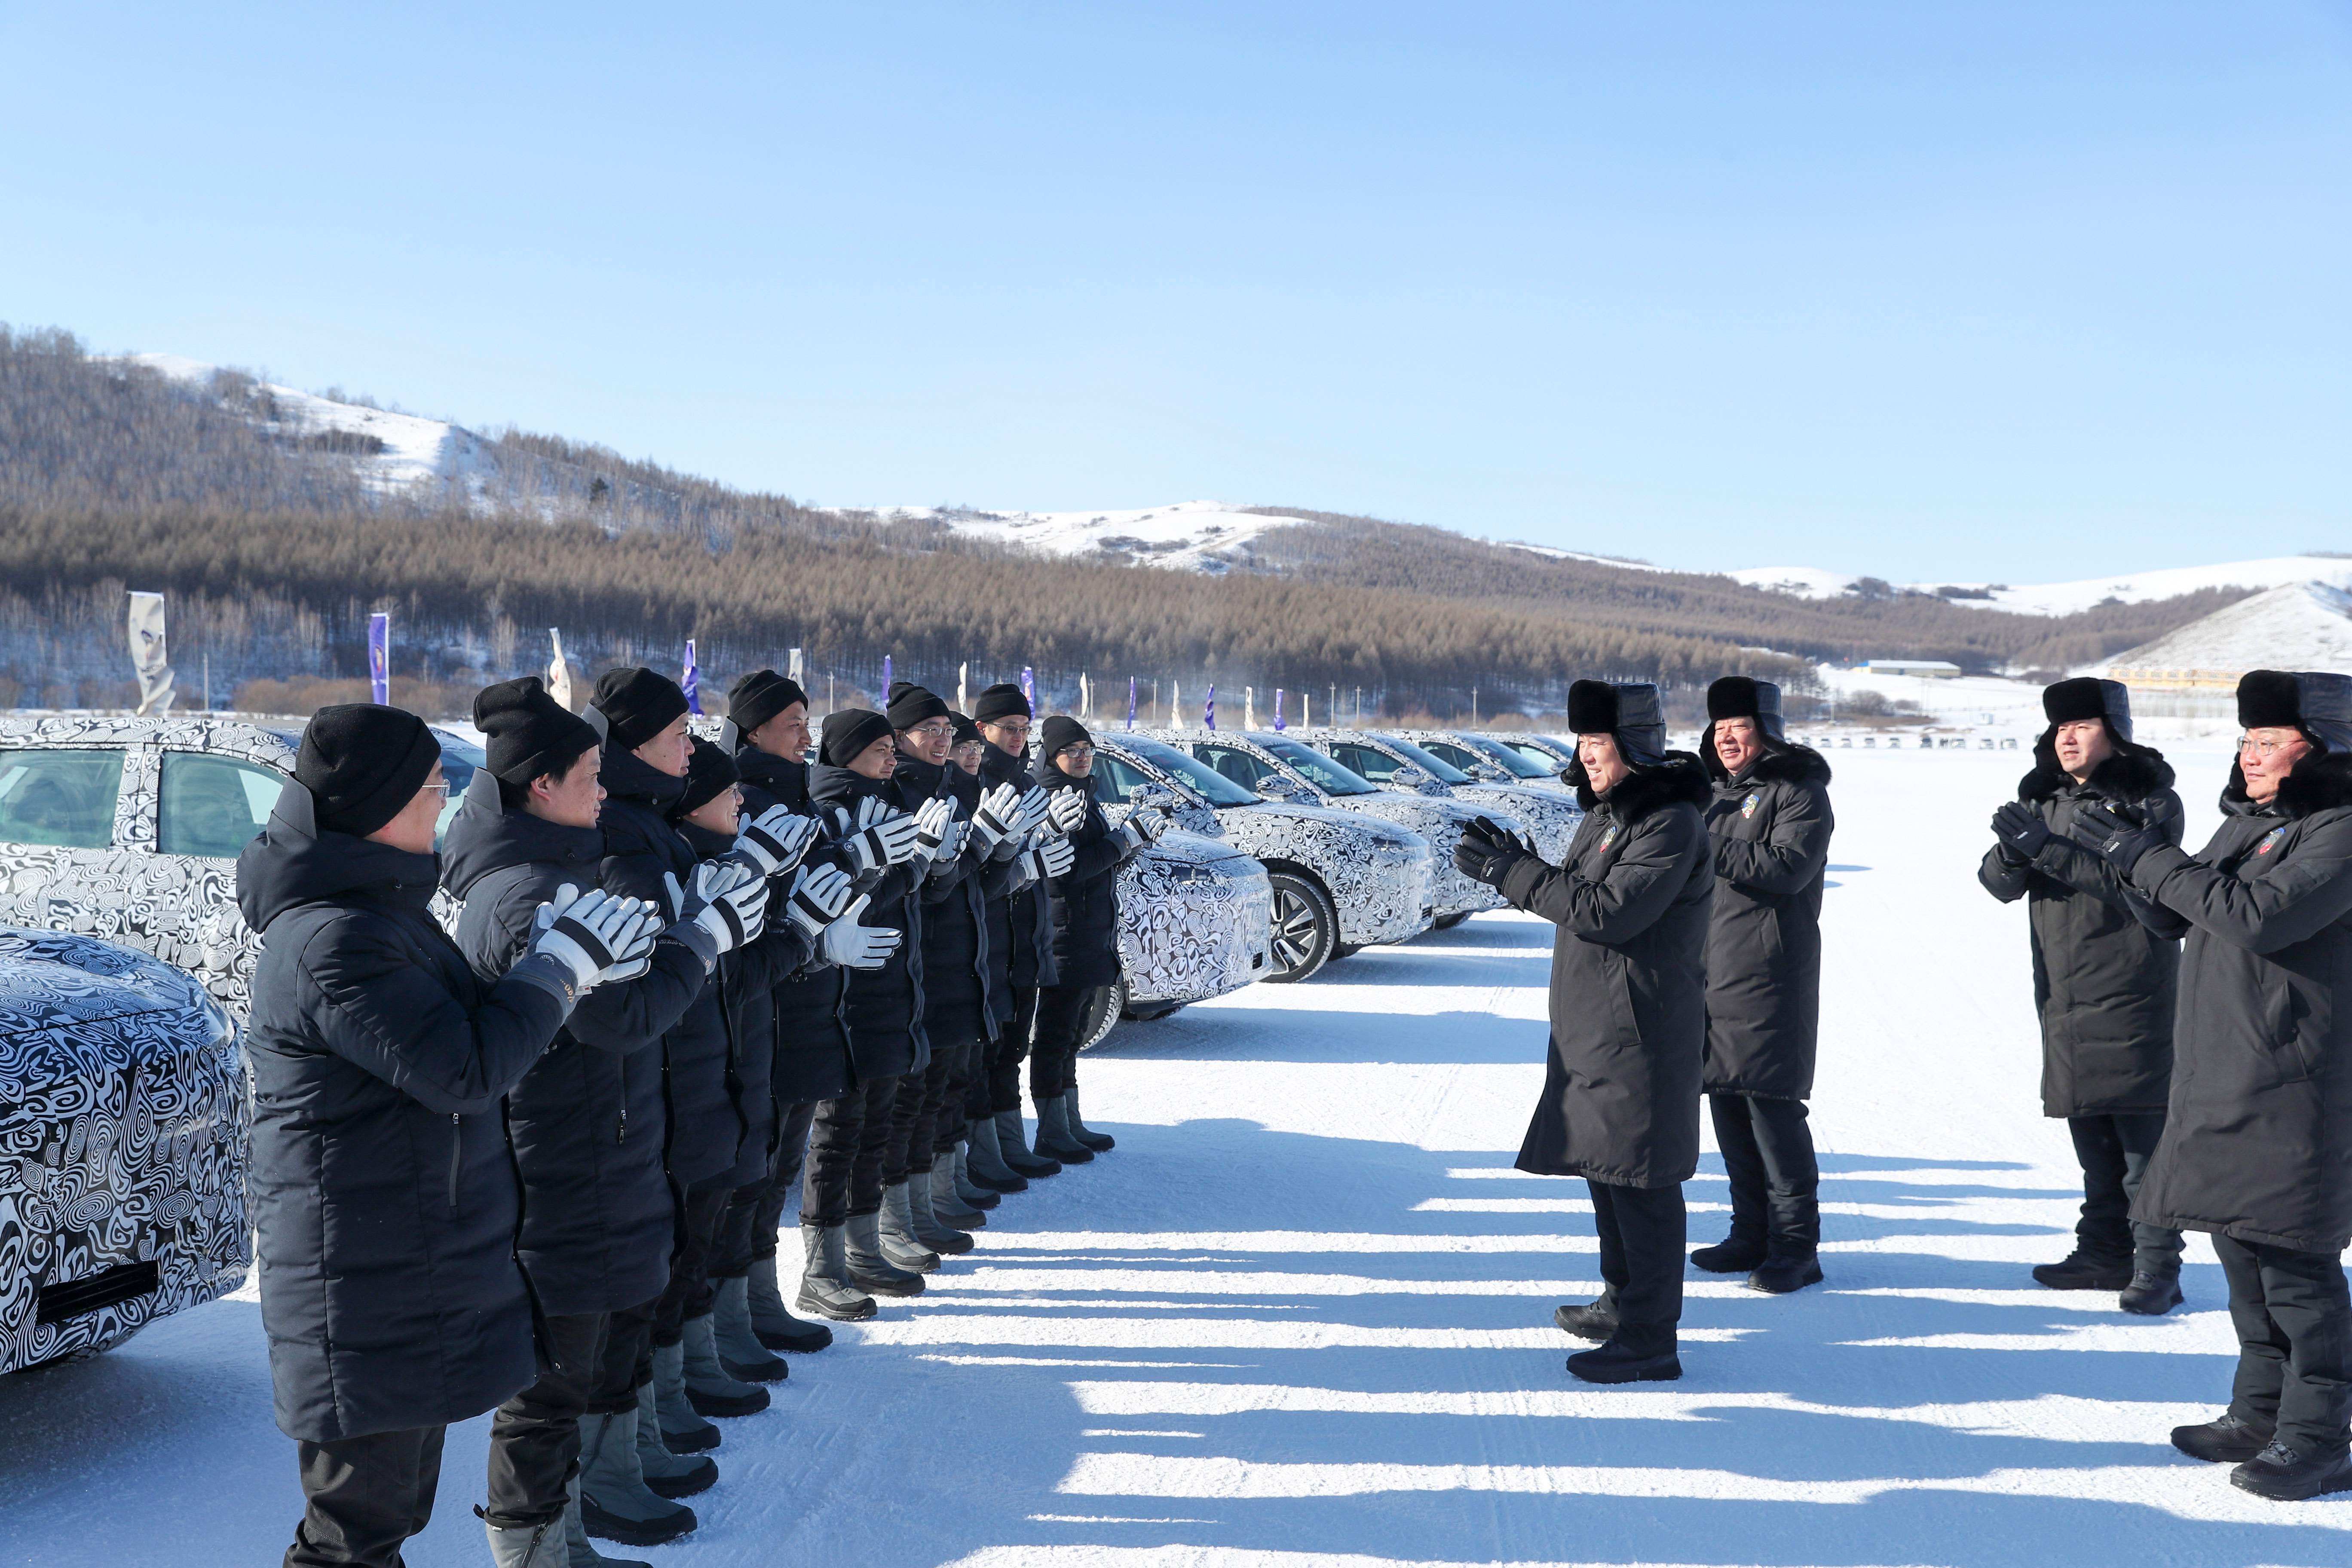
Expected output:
(933, 823)
(952, 844)
(729, 902)
(1143, 827)
(1033, 801)
(775, 840)
(1052, 858)
(997, 817)
(818, 895)
(599, 936)
(1066, 809)
(876, 837)
(853, 946)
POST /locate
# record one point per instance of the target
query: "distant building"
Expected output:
(1923, 668)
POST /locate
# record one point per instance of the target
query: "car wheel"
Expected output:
(1305, 927)
(1448, 922)
(1102, 1014)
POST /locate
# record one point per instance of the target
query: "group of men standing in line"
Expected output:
(2196, 1014)
(540, 1169)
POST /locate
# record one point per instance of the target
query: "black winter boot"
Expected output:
(1101, 1142)
(970, 1194)
(1635, 1357)
(868, 1269)
(986, 1165)
(2151, 1295)
(1779, 1275)
(1012, 1143)
(826, 1288)
(2225, 1439)
(1734, 1253)
(1054, 1138)
(777, 1328)
(1596, 1321)
(2282, 1475)
(2084, 1270)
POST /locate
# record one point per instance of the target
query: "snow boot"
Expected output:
(740, 1349)
(986, 1166)
(924, 1223)
(970, 1194)
(680, 1430)
(948, 1207)
(615, 1504)
(2225, 1439)
(579, 1551)
(1012, 1148)
(771, 1324)
(667, 1474)
(2283, 1475)
(2151, 1295)
(1596, 1322)
(1784, 1272)
(1054, 1135)
(527, 1545)
(870, 1269)
(826, 1288)
(2084, 1270)
(902, 1245)
(709, 1388)
(1734, 1253)
(1629, 1358)
(1101, 1142)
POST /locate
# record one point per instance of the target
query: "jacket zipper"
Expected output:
(456, 1155)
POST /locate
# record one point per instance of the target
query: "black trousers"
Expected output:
(999, 1089)
(628, 1361)
(535, 1436)
(364, 1496)
(1053, 1055)
(847, 1140)
(690, 1292)
(2113, 1151)
(951, 1121)
(1768, 1153)
(2294, 1343)
(917, 1111)
(1642, 1232)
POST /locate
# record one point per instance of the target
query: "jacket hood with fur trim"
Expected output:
(1678, 778)
(2321, 782)
(1782, 759)
(2134, 773)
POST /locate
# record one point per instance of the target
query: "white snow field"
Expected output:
(1302, 1314)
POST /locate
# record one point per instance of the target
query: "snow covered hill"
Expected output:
(1195, 535)
(2069, 598)
(2301, 626)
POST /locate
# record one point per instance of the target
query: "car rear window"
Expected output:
(213, 806)
(64, 799)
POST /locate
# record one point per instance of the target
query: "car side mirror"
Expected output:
(1487, 773)
(1411, 775)
(1274, 786)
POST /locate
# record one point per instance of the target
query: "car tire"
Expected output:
(1102, 1016)
(1305, 927)
(1448, 922)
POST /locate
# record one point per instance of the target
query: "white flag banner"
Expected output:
(148, 658)
(964, 674)
(559, 673)
(792, 660)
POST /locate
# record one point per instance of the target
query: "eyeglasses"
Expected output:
(1076, 754)
(932, 731)
(1010, 726)
(441, 789)
(2264, 747)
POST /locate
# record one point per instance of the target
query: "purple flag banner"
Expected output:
(1278, 725)
(692, 681)
(1209, 709)
(886, 681)
(380, 658)
(1130, 703)
(1029, 687)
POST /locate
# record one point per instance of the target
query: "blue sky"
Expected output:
(1973, 290)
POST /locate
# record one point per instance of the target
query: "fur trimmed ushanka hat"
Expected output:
(2088, 697)
(1629, 712)
(1741, 697)
(2314, 701)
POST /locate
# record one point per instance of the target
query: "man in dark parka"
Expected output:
(1768, 826)
(1004, 716)
(2106, 966)
(384, 1188)
(2257, 1148)
(1620, 1104)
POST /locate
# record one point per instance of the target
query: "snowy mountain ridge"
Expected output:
(2070, 598)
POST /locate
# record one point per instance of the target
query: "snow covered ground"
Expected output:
(1302, 1314)
(2069, 598)
(1194, 535)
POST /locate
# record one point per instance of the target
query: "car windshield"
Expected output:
(1538, 753)
(1190, 772)
(1506, 759)
(459, 758)
(1320, 770)
(1445, 772)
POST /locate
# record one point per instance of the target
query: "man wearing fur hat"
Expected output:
(2104, 969)
(1620, 1104)
(1768, 826)
(2257, 1148)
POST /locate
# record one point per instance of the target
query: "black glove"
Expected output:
(2121, 833)
(2021, 830)
(1485, 853)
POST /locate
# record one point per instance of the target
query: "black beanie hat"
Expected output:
(363, 763)
(2088, 697)
(1740, 697)
(637, 704)
(528, 734)
(757, 696)
(2317, 703)
(911, 705)
(1629, 713)
(848, 731)
(1001, 701)
(967, 733)
(708, 771)
(1060, 730)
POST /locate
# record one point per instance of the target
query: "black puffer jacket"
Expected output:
(2106, 963)
(813, 1060)
(959, 1003)
(1024, 916)
(1628, 982)
(886, 1004)
(383, 1190)
(2258, 1138)
(704, 1134)
(1085, 899)
(1768, 830)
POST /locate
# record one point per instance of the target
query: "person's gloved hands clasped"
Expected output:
(1066, 809)
(818, 894)
(2121, 833)
(775, 840)
(1052, 858)
(2021, 830)
(1486, 852)
(600, 937)
(727, 903)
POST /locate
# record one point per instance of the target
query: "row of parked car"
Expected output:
(122, 1095)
